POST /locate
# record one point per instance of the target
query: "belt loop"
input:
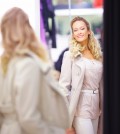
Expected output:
(94, 91)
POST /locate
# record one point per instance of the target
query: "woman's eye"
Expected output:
(75, 30)
(82, 28)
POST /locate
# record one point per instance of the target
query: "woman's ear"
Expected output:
(90, 32)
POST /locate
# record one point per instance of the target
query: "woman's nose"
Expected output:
(79, 32)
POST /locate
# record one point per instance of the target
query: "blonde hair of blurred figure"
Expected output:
(93, 45)
(17, 35)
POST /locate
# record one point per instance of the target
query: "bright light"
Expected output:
(88, 11)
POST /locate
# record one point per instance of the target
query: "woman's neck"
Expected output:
(86, 53)
(84, 43)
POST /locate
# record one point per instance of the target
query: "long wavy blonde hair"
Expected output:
(94, 46)
(17, 35)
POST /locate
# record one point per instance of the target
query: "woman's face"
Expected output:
(80, 31)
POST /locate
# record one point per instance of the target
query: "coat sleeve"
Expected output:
(100, 125)
(66, 73)
(1, 116)
(1, 120)
(27, 92)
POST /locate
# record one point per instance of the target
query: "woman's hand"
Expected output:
(70, 131)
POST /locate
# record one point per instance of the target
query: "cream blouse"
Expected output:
(88, 105)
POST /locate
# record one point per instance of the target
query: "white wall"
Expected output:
(31, 7)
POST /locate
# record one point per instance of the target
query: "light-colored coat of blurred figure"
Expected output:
(81, 75)
(26, 101)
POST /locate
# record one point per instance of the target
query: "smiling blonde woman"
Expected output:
(81, 63)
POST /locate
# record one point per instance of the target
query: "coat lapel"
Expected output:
(78, 76)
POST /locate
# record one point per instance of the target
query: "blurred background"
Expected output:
(51, 19)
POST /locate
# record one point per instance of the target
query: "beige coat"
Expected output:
(26, 102)
(72, 75)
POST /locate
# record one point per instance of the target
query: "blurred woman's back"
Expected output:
(24, 63)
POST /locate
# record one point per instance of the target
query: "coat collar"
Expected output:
(45, 66)
(79, 61)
